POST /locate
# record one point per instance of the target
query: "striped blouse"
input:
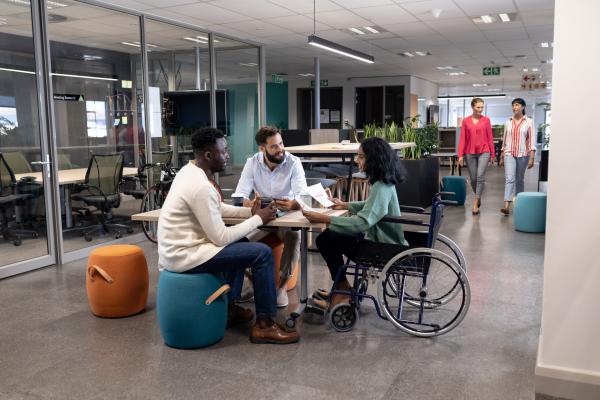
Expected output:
(519, 138)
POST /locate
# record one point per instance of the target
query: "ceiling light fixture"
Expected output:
(525, 69)
(3, 21)
(339, 49)
(480, 85)
(370, 29)
(21, 71)
(463, 97)
(535, 69)
(357, 31)
(250, 64)
(458, 73)
(544, 44)
(422, 53)
(445, 67)
(88, 57)
(137, 44)
(487, 19)
(195, 40)
(307, 74)
(407, 54)
(85, 77)
(504, 17)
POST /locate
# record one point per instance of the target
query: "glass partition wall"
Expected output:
(108, 102)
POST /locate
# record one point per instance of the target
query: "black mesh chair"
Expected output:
(136, 185)
(101, 190)
(10, 201)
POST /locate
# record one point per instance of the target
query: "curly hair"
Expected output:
(204, 138)
(381, 162)
(264, 133)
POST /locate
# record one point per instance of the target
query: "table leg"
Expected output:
(68, 206)
(303, 265)
(349, 180)
(453, 161)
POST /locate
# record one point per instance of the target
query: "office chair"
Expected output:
(10, 199)
(101, 190)
(136, 185)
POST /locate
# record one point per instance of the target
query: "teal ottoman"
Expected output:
(456, 184)
(191, 308)
(530, 212)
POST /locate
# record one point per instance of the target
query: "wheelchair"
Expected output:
(421, 289)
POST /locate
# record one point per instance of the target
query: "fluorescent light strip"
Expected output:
(487, 19)
(356, 30)
(85, 77)
(372, 30)
(504, 17)
(446, 67)
(339, 49)
(421, 53)
(544, 44)
(408, 54)
(307, 74)
(488, 96)
(137, 44)
(195, 40)
(21, 71)
(459, 73)
(250, 64)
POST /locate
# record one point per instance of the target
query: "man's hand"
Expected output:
(286, 205)
(266, 214)
(248, 203)
(316, 217)
(255, 205)
(338, 204)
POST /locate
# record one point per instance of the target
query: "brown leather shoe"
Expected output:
(504, 211)
(273, 334)
(239, 315)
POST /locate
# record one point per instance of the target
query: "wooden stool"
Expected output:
(117, 281)
(276, 246)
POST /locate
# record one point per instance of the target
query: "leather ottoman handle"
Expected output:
(103, 273)
(222, 290)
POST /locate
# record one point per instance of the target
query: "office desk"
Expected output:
(66, 178)
(453, 160)
(327, 150)
(292, 219)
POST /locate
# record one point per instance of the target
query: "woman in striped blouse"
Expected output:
(518, 152)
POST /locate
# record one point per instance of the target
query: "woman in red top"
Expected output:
(476, 143)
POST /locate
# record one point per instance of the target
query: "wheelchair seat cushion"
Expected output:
(377, 254)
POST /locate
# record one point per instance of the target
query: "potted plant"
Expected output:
(422, 171)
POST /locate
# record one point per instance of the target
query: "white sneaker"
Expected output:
(282, 297)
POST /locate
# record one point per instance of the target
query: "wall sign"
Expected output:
(491, 71)
(69, 97)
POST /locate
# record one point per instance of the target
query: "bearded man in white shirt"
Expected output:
(192, 237)
(279, 175)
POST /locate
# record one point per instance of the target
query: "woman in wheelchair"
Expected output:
(379, 162)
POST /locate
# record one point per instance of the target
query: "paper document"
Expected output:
(318, 193)
(302, 204)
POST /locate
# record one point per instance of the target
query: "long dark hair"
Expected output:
(381, 162)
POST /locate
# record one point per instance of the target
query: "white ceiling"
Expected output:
(283, 26)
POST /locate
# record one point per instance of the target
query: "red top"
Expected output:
(476, 138)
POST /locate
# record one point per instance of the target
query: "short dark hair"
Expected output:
(204, 138)
(381, 162)
(520, 101)
(264, 133)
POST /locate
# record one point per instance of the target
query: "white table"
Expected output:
(349, 150)
(66, 178)
(292, 219)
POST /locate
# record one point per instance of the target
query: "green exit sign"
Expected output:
(491, 71)
(324, 82)
(276, 78)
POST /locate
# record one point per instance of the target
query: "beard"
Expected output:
(274, 159)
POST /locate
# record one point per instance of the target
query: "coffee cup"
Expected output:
(237, 200)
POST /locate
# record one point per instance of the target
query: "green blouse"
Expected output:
(382, 201)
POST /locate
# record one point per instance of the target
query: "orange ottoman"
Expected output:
(276, 246)
(117, 281)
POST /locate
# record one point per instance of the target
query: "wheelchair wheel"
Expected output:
(411, 285)
(446, 245)
(153, 199)
(343, 317)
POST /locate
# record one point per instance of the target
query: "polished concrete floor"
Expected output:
(51, 347)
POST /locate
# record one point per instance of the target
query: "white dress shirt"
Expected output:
(285, 181)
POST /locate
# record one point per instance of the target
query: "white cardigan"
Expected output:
(190, 228)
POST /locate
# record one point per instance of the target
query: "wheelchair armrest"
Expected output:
(412, 209)
(400, 220)
(440, 194)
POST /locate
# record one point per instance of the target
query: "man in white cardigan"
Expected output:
(192, 237)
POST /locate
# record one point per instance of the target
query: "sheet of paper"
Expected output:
(302, 204)
(318, 193)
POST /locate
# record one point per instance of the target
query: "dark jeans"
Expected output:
(334, 246)
(233, 260)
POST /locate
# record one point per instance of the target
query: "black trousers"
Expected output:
(334, 246)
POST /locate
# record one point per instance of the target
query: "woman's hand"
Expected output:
(316, 217)
(338, 204)
(501, 162)
(461, 162)
(530, 163)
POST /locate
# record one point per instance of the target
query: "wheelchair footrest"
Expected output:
(313, 308)
(320, 294)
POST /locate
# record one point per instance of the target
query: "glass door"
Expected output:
(25, 193)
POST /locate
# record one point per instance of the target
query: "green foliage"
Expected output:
(425, 138)
(498, 131)
(370, 130)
